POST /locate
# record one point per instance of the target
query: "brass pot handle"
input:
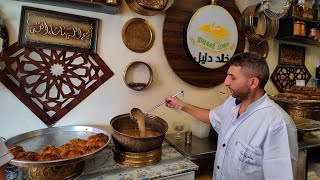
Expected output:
(137, 86)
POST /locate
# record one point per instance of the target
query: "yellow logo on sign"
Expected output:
(213, 38)
(215, 32)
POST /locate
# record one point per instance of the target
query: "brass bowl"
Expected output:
(129, 143)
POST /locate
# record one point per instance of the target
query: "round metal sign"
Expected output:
(211, 36)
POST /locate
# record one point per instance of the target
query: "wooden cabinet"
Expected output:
(286, 28)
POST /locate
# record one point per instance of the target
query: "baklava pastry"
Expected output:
(50, 149)
(96, 142)
(49, 157)
(68, 146)
(16, 151)
(29, 156)
(88, 149)
(71, 153)
(98, 136)
(78, 141)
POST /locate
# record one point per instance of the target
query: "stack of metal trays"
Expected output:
(142, 159)
(305, 125)
(308, 124)
(303, 108)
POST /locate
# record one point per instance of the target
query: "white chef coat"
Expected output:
(259, 144)
(5, 155)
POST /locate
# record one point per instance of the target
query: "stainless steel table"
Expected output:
(198, 149)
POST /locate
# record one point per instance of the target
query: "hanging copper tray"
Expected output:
(138, 35)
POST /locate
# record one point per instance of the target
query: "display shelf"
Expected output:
(286, 28)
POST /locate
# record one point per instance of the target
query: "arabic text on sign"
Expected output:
(203, 58)
(68, 32)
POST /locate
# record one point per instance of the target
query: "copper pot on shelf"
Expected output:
(314, 34)
(299, 28)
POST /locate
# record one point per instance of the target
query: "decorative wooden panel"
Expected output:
(284, 77)
(290, 67)
(189, 71)
(49, 82)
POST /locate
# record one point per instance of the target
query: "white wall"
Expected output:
(113, 97)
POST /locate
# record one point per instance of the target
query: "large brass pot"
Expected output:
(129, 143)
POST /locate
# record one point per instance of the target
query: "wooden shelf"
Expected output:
(300, 40)
(285, 32)
(87, 6)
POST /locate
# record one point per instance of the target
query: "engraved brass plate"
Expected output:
(69, 171)
(138, 35)
(153, 4)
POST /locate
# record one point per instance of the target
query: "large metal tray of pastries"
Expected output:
(57, 136)
(305, 124)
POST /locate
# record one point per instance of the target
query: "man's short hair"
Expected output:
(253, 65)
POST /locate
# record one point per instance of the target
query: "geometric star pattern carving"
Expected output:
(51, 82)
(284, 77)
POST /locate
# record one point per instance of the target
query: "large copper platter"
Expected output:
(138, 35)
(36, 140)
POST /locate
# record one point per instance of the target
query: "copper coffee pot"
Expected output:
(314, 33)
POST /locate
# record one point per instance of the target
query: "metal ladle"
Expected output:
(136, 113)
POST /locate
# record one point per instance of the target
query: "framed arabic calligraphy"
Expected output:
(56, 30)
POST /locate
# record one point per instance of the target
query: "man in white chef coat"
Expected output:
(257, 138)
(5, 156)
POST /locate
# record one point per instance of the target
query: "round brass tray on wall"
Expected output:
(138, 35)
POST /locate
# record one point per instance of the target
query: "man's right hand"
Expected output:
(173, 102)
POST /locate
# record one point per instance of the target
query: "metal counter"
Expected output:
(198, 149)
(206, 147)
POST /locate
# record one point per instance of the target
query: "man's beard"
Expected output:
(241, 93)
